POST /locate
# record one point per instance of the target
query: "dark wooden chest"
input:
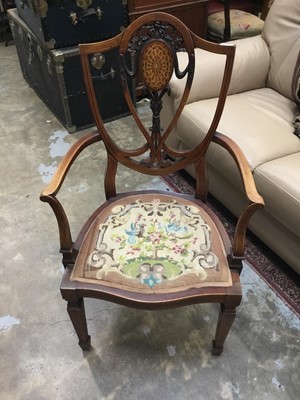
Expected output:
(63, 23)
(56, 76)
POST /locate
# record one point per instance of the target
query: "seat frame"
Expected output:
(161, 33)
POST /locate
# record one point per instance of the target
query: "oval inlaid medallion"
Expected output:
(156, 64)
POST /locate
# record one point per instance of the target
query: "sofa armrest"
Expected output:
(250, 70)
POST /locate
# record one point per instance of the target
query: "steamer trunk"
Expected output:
(63, 23)
(56, 76)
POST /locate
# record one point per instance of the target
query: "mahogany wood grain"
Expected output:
(160, 36)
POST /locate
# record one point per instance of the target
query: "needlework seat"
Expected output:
(153, 243)
(242, 25)
(152, 249)
(233, 20)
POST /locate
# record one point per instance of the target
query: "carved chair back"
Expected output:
(148, 52)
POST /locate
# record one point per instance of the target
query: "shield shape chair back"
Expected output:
(152, 249)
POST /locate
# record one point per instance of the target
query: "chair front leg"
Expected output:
(225, 321)
(77, 315)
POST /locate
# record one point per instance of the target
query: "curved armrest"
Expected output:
(67, 161)
(255, 200)
(51, 190)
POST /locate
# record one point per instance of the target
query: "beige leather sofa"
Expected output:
(258, 115)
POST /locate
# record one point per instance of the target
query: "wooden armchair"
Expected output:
(233, 19)
(152, 249)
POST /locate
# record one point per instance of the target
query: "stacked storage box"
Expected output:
(47, 34)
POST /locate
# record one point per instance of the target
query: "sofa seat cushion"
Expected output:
(278, 181)
(259, 121)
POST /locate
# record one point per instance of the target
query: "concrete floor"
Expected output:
(135, 354)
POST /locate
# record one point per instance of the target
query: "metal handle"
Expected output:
(82, 15)
(97, 61)
(104, 77)
(30, 49)
(49, 63)
(24, 3)
(30, 4)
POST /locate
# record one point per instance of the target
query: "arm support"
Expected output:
(48, 195)
(255, 200)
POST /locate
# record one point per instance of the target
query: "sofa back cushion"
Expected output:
(282, 34)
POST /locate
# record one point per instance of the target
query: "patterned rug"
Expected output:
(272, 269)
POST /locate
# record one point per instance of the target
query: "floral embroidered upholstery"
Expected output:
(152, 243)
(242, 24)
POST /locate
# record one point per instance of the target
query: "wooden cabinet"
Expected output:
(193, 13)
